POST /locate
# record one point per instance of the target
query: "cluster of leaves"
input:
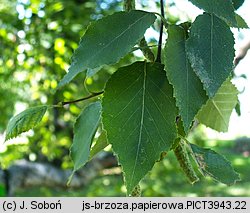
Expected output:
(37, 39)
(148, 108)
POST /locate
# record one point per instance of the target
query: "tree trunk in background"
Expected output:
(24, 174)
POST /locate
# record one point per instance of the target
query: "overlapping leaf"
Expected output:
(107, 40)
(188, 89)
(216, 113)
(210, 49)
(221, 8)
(100, 144)
(214, 165)
(25, 121)
(139, 115)
(84, 131)
(241, 23)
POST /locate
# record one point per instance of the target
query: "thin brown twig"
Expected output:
(82, 99)
(158, 58)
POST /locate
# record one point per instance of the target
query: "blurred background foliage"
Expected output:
(166, 178)
(37, 39)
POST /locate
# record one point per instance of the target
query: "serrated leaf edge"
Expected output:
(195, 70)
(46, 107)
(73, 60)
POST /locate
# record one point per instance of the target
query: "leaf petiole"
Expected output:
(61, 104)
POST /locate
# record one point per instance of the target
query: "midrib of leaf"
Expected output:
(211, 44)
(142, 118)
(23, 119)
(220, 113)
(114, 39)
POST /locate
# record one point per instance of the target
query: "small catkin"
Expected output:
(146, 50)
(184, 161)
(129, 5)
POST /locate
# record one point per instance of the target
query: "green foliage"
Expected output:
(188, 90)
(84, 131)
(210, 49)
(99, 46)
(139, 116)
(25, 121)
(214, 165)
(144, 106)
(216, 113)
(32, 65)
(2, 191)
(165, 179)
(221, 8)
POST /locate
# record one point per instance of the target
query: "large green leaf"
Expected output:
(222, 8)
(84, 131)
(216, 113)
(210, 49)
(214, 165)
(188, 89)
(25, 121)
(139, 115)
(107, 40)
